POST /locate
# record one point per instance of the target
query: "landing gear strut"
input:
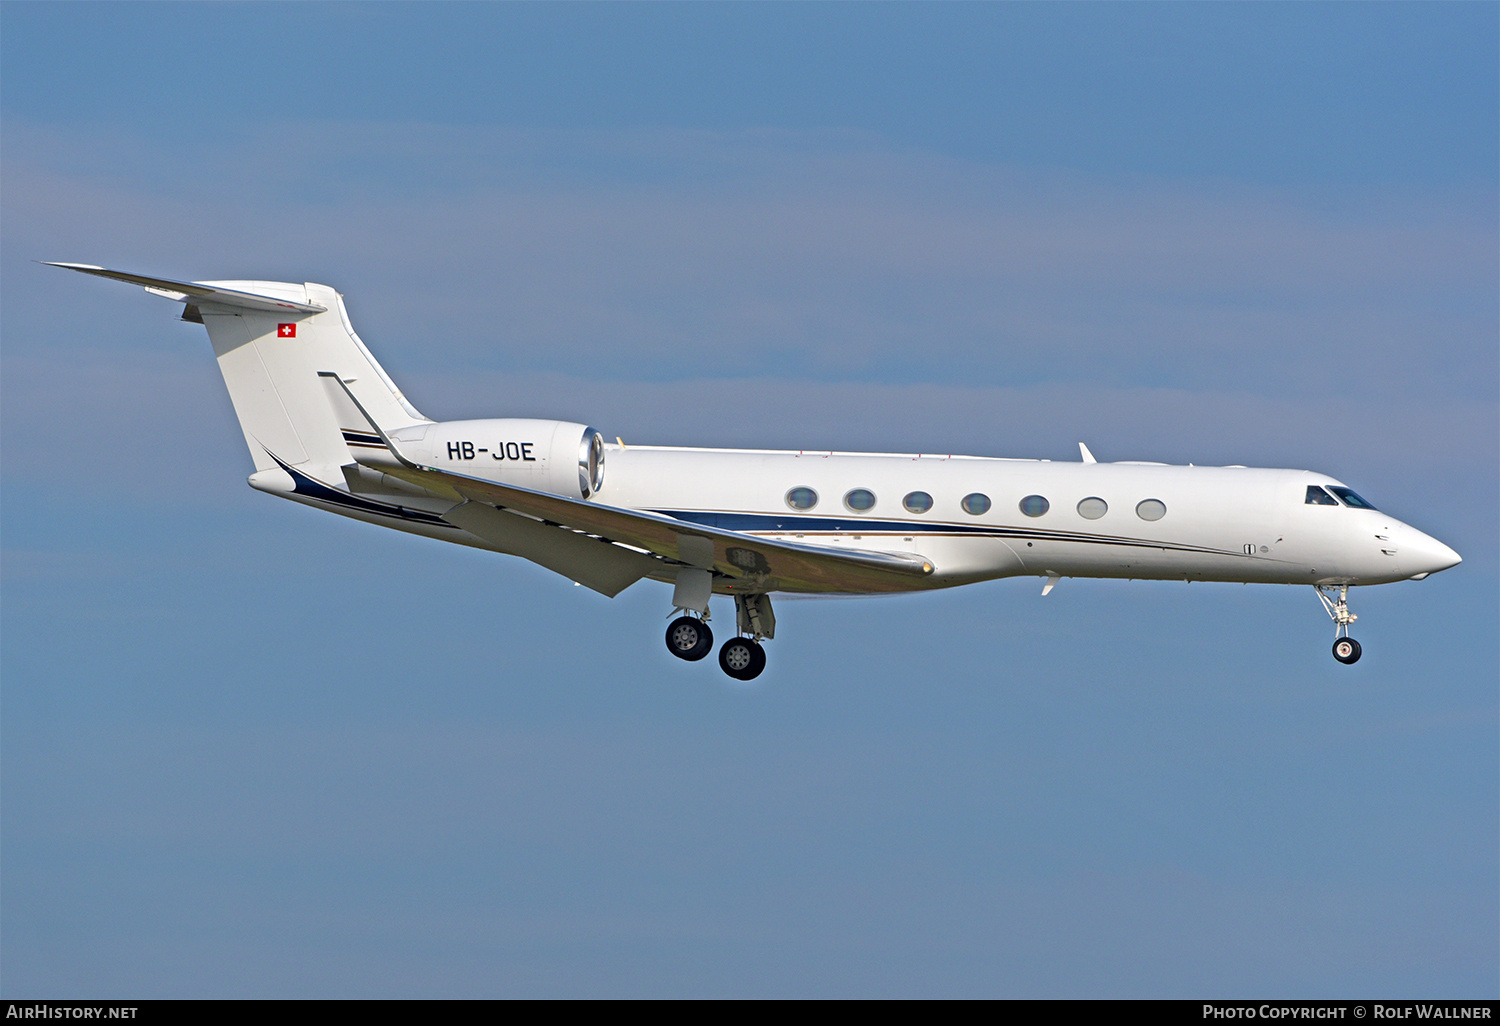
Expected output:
(743, 658)
(688, 637)
(1345, 648)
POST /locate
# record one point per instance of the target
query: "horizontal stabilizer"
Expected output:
(202, 292)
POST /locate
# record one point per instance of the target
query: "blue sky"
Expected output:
(254, 750)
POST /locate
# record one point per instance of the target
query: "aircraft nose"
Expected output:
(1425, 555)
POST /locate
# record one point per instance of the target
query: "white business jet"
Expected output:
(327, 427)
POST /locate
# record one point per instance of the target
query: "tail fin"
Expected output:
(272, 339)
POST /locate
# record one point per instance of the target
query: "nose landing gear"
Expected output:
(1345, 649)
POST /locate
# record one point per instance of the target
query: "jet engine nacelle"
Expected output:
(545, 455)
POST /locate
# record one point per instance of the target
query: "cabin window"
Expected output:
(1318, 497)
(976, 503)
(917, 502)
(1350, 497)
(802, 498)
(1151, 509)
(1092, 508)
(860, 500)
(1035, 505)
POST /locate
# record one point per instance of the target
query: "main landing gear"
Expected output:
(743, 658)
(1345, 649)
(689, 638)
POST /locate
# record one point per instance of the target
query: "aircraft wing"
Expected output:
(758, 564)
(761, 563)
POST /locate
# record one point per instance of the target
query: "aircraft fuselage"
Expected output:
(326, 426)
(1234, 524)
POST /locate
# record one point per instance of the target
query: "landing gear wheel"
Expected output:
(689, 638)
(1346, 650)
(742, 658)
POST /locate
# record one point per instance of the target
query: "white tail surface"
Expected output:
(272, 339)
(270, 363)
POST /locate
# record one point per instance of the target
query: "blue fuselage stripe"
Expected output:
(768, 523)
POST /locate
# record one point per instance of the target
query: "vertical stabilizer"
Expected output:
(272, 339)
(271, 362)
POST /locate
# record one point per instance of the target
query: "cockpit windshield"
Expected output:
(1350, 497)
(1318, 497)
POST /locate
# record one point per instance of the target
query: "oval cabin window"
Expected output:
(976, 503)
(1092, 508)
(802, 498)
(860, 500)
(1035, 505)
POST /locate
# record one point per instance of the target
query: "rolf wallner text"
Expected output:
(1373, 1011)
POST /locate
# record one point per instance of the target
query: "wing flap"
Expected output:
(594, 563)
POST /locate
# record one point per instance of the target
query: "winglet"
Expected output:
(1088, 457)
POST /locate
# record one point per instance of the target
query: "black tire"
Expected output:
(760, 661)
(742, 658)
(1346, 650)
(689, 638)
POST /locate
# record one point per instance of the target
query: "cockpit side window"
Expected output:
(1350, 497)
(1318, 497)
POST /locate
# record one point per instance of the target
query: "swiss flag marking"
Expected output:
(286, 330)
